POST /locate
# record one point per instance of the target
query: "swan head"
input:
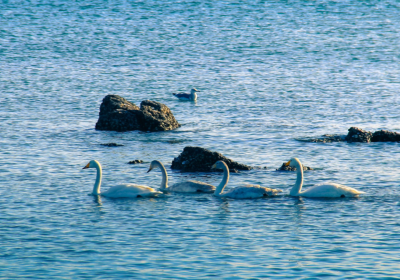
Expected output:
(92, 164)
(219, 165)
(293, 162)
(194, 90)
(153, 164)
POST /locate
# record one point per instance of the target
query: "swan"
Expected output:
(184, 187)
(125, 190)
(247, 191)
(189, 97)
(323, 190)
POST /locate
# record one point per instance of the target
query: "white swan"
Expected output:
(189, 97)
(125, 190)
(247, 191)
(323, 190)
(185, 187)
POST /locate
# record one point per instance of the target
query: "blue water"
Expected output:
(270, 73)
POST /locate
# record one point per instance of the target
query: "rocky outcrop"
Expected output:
(157, 117)
(385, 136)
(200, 159)
(358, 135)
(118, 114)
(326, 138)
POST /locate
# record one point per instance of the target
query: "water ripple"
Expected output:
(269, 73)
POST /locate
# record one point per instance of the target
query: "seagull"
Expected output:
(190, 97)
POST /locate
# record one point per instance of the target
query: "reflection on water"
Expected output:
(97, 200)
(224, 211)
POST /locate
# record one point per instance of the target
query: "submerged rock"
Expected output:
(200, 159)
(118, 114)
(136, 161)
(176, 141)
(111, 145)
(260, 167)
(326, 138)
(289, 168)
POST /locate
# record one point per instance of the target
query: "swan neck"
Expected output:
(164, 181)
(224, 182)
(97, 184)
(296, 190)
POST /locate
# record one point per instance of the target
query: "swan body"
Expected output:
(120, 191)
(247, 191)
(192, 96)
(184, 187)
(322, 190)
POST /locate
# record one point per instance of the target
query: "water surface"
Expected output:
(269, 73)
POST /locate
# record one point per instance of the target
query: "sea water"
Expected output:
(270, 73)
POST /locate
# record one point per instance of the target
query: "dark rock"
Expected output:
(157, 117)
(118, 114)
(119, 120)
(112, 145)
(200, 159)
(326, 138)
(385, 136)
(176, 141)
(289, 168)
(358, 135)
(136, 161)
(114, 102)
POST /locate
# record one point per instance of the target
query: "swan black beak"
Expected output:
(87, 166)
(149, 170)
